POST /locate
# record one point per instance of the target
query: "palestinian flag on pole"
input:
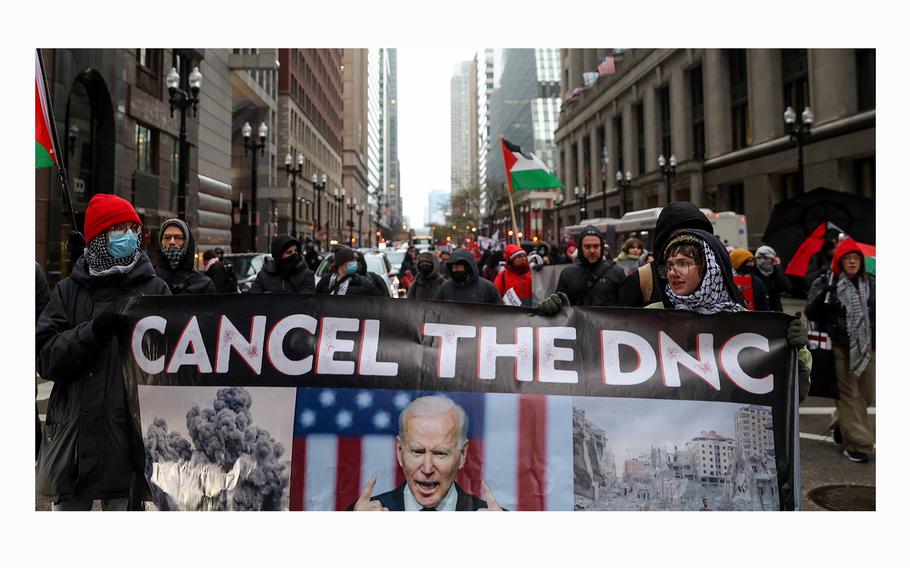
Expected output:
(525, 171)
(45, 153)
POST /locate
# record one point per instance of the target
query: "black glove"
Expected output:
(109, 324)
(797, 334)
(553, 303)
(75, 245)
(537, 267)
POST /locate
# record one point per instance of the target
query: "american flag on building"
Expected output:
(521, 445)
(607, 66)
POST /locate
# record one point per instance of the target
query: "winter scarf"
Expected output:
(856, 300)
(711, 296)
(100, 261)
(342, 288)
(764, 259)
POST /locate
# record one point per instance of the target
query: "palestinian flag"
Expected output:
(45, 154)
(525, 171)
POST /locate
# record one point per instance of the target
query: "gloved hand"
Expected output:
(108, 324)
(537, 267)
(797, 334)
(75, 245)
(553, 303)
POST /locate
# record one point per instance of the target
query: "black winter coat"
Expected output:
(425, 287)
(218, 274)
(776, 283)
(368, 284)
(298, 279)
(90, 443)
(184, 279)
(475, 289)
(592, 285)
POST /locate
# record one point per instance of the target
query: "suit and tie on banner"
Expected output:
(297, 402)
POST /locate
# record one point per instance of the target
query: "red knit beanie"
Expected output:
(511, 251)
(106, 210)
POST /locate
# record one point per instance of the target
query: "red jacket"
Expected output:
(508, 279)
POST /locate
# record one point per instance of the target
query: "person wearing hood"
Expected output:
(698, 277)
(215, 270)
(516, 276)
(286, 271)
(820, 262)
(493, 265)
(428, 279)
(593, 280)
(644, 286)
(90, 448)
(768, 265)
(465, 284)
(175, 260)
(312, 255)
(628, 257)
(749, 283)
(843, 305)
(349, 277)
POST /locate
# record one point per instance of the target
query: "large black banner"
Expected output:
(296, 402)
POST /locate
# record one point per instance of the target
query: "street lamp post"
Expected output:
(536, 224)
(250, 146)
(606, 162)
(318, 188)
(360, 210)
(800, 133)
(624, 184)
(293, 173)
(668, 169)
(557, 201)
(339, 213)
(182, 101)
(582, 202)
(351, 205)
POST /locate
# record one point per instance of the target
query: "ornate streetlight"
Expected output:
(293, 173)
(800, 133)
(251, 146)
(318, 188)
(582, 202)
(668, 169)
(183, 101)
(624, 183)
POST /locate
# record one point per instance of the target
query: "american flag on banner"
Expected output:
(607, 66)
(521, 445)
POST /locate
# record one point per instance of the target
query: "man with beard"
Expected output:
(428, 278)
(516, 276)
(593, 280)
(286, 271)
(90, 449)
(175, 260)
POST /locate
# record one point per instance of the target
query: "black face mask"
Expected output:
(425, 269)
(461, 276)
(284, 264)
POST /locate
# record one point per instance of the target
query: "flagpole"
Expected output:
(61, 165)
(514, 224)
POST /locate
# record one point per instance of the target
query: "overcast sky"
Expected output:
(424, 123)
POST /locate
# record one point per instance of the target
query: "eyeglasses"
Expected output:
(123, 227)
(681, 268)
(175, 238)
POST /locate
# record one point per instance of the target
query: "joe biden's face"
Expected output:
(430, 454)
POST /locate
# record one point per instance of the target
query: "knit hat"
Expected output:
(344, 255)
(765, 250)
(106, 210)
(739, 257)
(512, 252)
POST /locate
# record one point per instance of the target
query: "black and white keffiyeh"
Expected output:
(856, 301)
(341, 289)
(101, 263)
(711, 296)
(174, 255)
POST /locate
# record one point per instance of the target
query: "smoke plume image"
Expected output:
(205, 451)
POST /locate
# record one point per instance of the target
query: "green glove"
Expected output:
(797, 334)
(553, 303)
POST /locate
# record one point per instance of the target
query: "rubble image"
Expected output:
(218, 449)
(667, 455)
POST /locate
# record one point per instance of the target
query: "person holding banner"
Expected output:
(593, 280)
(350, 277)
(844, 306)
(465, 284)
(516, 276)
(431, 446)
(90, 449)
(428, 280)
(175, 260)
(286, 271)
(699, 278)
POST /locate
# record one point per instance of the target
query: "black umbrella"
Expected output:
(793, 220)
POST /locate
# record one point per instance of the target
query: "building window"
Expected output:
(739, 97)
(617, 128)
(795, 74)
(663, 99)
(150, 59)
(640, 135)
(697, 94)
(148, 70)
(146, 149)
(865, 78)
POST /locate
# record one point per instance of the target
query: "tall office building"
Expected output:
(393, 180)
(437, 201)
(463, 101)
(483, 62)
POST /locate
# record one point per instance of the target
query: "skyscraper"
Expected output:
(483, 62)
(463, 127)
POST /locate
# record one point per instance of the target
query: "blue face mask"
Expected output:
(351, 267)
(121, 245)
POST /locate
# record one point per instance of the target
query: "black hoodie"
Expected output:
(591, 284)
(675, 216)
(183, 279)
(425, 287)
(291, 276)
(475, 289)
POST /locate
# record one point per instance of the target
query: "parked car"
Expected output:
(246, 266)
(377, 263)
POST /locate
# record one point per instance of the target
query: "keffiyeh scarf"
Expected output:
(711, 296)
(173, 255)
(101, 263)
(856, 301)
(342, 288)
